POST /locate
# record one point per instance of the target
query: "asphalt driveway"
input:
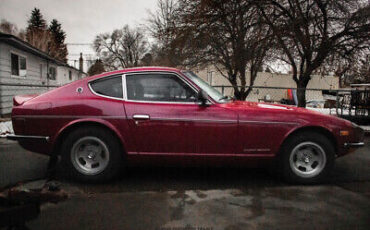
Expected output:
(200, 198)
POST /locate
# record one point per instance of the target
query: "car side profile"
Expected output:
(168, 116)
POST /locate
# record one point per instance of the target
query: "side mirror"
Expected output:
(202, 97)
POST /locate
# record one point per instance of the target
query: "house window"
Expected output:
(70, 75)
(52, 73)
(40, 70)
(19, 65)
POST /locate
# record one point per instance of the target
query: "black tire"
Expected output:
(113, 162)
(292, 174)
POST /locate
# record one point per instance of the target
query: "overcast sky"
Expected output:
(81, 19)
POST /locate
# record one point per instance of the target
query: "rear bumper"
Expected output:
(37, 144)
(27, 138)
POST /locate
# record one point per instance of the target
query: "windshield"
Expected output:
(212, 92)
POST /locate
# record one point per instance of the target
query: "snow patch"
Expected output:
(366, 128)
(324, 110)
(333, 112)
(6, 128)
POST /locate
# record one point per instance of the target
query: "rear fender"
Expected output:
(57, 138)
(21, 99)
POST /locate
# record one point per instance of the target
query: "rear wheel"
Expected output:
(91, 154)
(307, 158)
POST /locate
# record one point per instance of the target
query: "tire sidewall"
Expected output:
(115, 154)
(329, 151)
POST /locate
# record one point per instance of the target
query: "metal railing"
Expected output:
(341, 102)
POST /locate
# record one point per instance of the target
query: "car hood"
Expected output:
(241, 105)
(278, 112)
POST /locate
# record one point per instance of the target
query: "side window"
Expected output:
(15, 64)
(110, 86)
(40, 70)
(18, 65)
(70, 75)
(52, 73)
(158, 87)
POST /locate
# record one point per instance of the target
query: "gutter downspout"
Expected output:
(47, 74)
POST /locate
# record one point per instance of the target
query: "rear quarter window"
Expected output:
(110, 86)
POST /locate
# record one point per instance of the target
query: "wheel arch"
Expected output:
(317, 129)
(67, 129)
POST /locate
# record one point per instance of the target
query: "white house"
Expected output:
(27, 70)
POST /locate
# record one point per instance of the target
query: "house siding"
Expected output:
(63, 75)
(12, 85)
(36, 80)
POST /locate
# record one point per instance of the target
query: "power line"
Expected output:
(84, 54)
(79, 44)
(77, 60)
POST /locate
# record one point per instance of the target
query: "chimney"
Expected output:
(81, 62)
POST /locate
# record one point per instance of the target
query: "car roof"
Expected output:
(134, 69)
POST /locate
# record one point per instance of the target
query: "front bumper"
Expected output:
(354, 145)
(355, 140)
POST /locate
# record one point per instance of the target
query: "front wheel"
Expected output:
(91, 154)
(307, 158)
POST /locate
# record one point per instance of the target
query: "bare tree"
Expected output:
(162, 22)
(96, 68)
(41, 39)
(227, 34)
(122, 48)
(163, 27)
(351, 68)
(310, 31)
(10, 28)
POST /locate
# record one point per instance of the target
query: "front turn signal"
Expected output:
(344, 132)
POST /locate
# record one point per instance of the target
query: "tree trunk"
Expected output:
(301, 96)
(243, 82)
(234, 83)
(237, 93)
(244, 95)
(301, 93)
(241, 93)
(252, 78)
(247, 92)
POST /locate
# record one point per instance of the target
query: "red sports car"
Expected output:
(165, 115)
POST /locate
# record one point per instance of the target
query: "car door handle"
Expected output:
(141, 117)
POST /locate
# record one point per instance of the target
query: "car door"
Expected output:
(215, 130)
(164, 116)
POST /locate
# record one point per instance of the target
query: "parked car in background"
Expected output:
(170, 116)
(316, 103)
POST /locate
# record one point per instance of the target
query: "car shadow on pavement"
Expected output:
(162, 179)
